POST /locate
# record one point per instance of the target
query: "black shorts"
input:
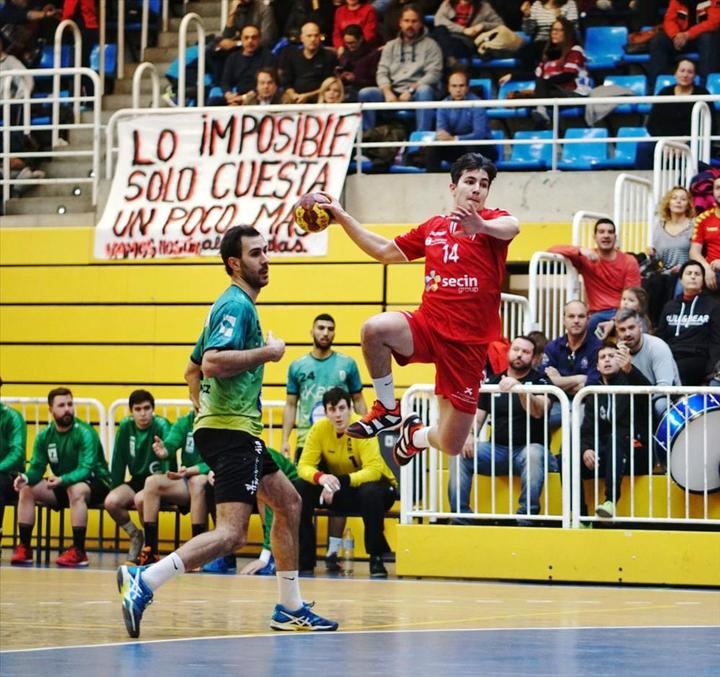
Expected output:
(98, 492)
(137, 484)
(239, 461)
(8, 495)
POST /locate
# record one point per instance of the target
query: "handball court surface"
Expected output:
(68, 622)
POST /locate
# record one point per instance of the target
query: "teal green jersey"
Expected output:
(232, 403)
(180, 437)
(133, 450)
(310, 378)
(74, 455)
(13, 438)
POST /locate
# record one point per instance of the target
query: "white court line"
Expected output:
(362, 632)
(687, 603)
(640, 602)
(589, 601)
(192, 601)
(98, 601)
(50, 603)
(541, 601)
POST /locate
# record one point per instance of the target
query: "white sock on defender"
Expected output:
(161, 572)
(420, 438)
(385, 390)
(289, 589)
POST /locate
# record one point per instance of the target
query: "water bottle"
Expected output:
(348, 552)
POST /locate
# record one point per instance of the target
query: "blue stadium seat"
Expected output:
(625, 151)
(530, 156)
(512, 86)
(216, 97)
(508, 62)
(110, 58)
(713, 86)
(47, 56)
(482, 87)
(588, 155)
(667, 79)
(605, 46)
(637, 84)
(403, 168)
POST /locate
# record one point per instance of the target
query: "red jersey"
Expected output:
(707, 233)
(463, 277)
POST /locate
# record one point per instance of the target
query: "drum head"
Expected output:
(687, 460)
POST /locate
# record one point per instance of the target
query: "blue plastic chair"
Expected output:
(532, 156)
(588, 155)
(625, 151)
(216, 97)
(403, 168)
(507, 62)
(605, 46)
(110, 58)
(47, 55)
(482, 87)
(637, 84)
(668, 79)
(713, 86)
(512, 86)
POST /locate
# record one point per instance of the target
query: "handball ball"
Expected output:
(310, 214)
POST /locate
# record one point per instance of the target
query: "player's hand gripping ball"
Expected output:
(310, 215)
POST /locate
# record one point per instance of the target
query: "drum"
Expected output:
(684, 431)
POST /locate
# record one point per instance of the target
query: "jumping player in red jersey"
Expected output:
(465, 254)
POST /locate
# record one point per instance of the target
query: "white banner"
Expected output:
(182, 180)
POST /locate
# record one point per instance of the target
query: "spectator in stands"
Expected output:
(266, 92)
(538, 19)
(569, 361)
(331, 90)
(133, 451)
(346, 475)
(539, 341)
(355, 13)
(622, 428)
(650, 354)
(79, 477)
(358, 62)
(241, 67)
(243, 12)
(690, 325)
(319, 12)
(669, 247)
(633, 298)
(606, 271)
(409, 70)
(184, 487)
(688, 25)
(562, 69)
(84, 14)
(458, 23)
(705, 245)
(13, 438)
(303, 70)
(460, 124)
(514, 416)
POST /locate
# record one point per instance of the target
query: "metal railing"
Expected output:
(187, 20)
(432, 474)
(137, 84)
(673, 166)
(680, 452)
(553, 281)
(10, 104)
(515, 315)
(633, 211)
(583, 227)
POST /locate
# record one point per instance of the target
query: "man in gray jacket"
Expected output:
(410, 69)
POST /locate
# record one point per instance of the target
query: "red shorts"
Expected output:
(459, 367)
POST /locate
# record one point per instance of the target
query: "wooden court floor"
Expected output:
(47, 612)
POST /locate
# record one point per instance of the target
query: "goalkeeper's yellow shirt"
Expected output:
(359, 460)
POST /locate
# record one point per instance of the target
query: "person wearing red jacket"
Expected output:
(606, 271)
(84, 14)
(688, 26)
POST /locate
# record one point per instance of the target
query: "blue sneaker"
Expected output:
(302, 620)
(221, 565)
(136, 597)
(268, 569)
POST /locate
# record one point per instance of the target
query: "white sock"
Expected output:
(420, 438)
(129, 528)
(334, 544)
(161, 572)
(289, 589)
(385, 390)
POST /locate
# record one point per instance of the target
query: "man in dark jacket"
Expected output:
(241, 67)
(622, 428)
(688, 26)
(690, 325)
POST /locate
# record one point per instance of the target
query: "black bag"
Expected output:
(382, 133)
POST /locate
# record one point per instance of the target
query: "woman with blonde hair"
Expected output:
(331, 90)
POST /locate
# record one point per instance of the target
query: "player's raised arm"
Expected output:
(377, 246)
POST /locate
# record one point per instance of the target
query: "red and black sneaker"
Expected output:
(404, 449)
(21, 556)
(146, 558)
(375, 421)
(72, 558)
